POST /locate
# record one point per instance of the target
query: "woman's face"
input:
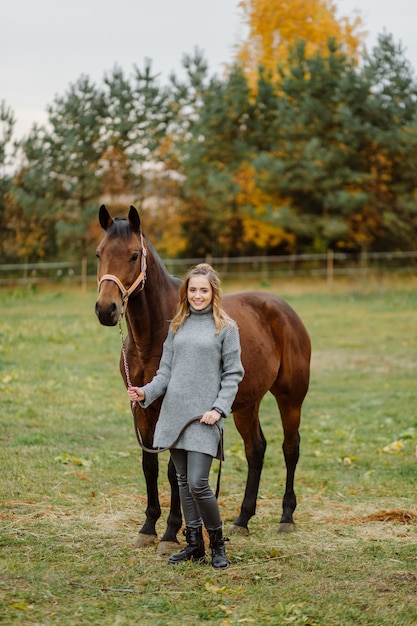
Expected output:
(199, 292)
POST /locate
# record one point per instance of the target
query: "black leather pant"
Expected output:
(197, 499)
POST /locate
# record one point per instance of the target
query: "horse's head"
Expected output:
(121, 264)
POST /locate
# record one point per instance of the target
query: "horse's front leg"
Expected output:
(169, 541)
(147, 534)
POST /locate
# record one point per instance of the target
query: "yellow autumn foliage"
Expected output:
(276, 25)
(264, 235)
(25, 233)
(257, 229)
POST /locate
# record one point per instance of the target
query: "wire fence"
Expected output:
(327, 265)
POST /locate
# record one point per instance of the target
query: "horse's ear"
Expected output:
(134, 219)
(104, 217)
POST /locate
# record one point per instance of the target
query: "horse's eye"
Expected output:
(135, 256)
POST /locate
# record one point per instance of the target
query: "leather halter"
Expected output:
(140, 280)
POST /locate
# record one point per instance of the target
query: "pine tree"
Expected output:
(392, 155)
(7, 123)
(75, 147)
(216, 143)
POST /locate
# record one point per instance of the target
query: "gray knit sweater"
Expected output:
(199, 370)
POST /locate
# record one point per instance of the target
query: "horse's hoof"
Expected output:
(142, 540)
(165, 548)
(286, 527)
(238, 530)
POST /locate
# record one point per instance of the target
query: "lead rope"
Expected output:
(193, 419)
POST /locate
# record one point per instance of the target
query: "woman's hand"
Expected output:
(210, 417)
(135, 394)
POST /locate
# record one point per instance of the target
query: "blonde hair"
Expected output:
(220, 317)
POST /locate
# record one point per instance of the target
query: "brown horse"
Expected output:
(275, 354)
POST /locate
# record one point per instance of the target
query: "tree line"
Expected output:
(319, 153)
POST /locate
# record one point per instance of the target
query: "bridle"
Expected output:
(138, 282)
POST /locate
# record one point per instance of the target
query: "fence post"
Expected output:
(84, 273)
(364, 260)
(330, 266)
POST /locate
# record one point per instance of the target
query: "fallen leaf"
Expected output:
(395, 447)
(214, 588)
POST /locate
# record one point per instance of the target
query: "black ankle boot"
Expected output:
(194, 550)
(219, 559)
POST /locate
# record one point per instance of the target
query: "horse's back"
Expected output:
(276, 347)
(257, 313)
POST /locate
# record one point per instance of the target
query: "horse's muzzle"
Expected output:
(109, 315)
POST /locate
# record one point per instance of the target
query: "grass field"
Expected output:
(72, 493)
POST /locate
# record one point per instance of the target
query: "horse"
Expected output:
(276, 351)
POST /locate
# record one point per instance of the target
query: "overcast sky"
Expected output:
(47, 44)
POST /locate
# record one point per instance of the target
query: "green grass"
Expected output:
(72, 493)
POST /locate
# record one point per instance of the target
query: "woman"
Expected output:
(199, 373)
